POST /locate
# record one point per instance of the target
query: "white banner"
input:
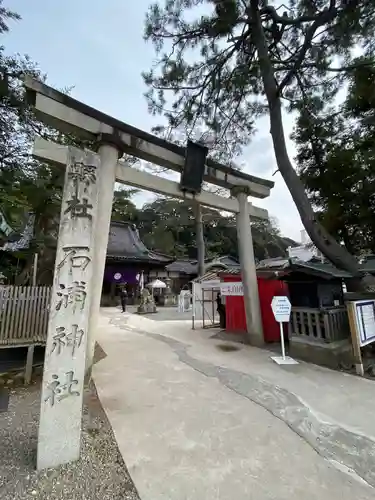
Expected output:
(234, 289)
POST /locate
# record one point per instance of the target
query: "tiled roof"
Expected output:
(232, 271)
(124, 243)
(314, 266)
(226, 260)
(183, 266)
(326, 269)
(278, 262)
(190, 267)
(282, 266)
(210, 276)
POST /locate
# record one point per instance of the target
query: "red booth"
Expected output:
(235, 310)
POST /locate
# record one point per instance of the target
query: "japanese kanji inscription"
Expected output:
(64, 369)
(75, 256)
(73, 294)
(70, 339)
(58, 390)
(81, 177)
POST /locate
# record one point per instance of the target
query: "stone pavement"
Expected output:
(194, 421)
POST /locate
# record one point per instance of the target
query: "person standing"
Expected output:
(124, 298)
(221, 310)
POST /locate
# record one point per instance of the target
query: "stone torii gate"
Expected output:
(83, 238)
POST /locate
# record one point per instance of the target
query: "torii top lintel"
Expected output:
(71, 116)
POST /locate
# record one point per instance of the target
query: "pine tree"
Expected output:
(225, 63)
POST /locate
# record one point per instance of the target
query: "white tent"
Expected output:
(157, 284)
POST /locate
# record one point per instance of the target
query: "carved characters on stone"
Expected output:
(65, 360)
(74, 294)
(58, 390)
(62, 339)
(75, 257)
(82, 176)
(79, 208)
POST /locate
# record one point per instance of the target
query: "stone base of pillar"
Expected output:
(255, 340)
(168, 300)
(149, 308)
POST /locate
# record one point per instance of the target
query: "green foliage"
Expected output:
(6, 15)
(169, 226)
(223, 63)
(123, 209)
(336, 160)
(27, 185)
(209, 57)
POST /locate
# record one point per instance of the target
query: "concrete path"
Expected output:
(193, 421)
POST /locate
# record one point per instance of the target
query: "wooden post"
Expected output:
(35, 269)
(355, 339)
(29, 364)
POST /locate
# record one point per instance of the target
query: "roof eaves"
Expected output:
(231, 271)
(209, 276)
(323, 269)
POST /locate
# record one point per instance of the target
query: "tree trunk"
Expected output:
(335, 252)
(329, 247)
(199, 237)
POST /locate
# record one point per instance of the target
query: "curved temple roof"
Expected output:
(125, 244)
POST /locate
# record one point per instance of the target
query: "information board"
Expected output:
(365, 319)
(281, 308)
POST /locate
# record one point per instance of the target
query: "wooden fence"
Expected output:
(320, 325)
(24, 312)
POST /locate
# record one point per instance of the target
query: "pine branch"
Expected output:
(321, 19)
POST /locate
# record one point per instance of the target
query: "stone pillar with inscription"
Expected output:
(59, 436)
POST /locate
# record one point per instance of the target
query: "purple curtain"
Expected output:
(121, 274)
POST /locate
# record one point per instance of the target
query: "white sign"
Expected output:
(233, 289)
(365, 319)
(281, 308)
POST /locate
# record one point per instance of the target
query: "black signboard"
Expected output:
(193, 172)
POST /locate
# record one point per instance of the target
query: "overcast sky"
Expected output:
(98, 48)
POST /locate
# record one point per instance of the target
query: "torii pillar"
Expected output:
(248, 270)
(109, 148)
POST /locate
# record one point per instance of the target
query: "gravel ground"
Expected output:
(99, 474)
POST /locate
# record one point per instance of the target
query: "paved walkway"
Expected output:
(194, 421)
